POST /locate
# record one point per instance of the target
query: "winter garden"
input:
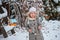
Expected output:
(29, 19)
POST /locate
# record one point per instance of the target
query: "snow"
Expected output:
(51, 30)
(56, 1)
(21, 34)
(58, 8)
(8, 28)
(4, 14)
(0, 2)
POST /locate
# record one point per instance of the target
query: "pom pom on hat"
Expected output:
(32, 9)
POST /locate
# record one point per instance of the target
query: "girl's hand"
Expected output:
(39, 27)
(30, 30)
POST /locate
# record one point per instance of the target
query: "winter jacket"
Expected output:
(32, 23)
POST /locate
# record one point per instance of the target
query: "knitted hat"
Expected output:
(32, 9)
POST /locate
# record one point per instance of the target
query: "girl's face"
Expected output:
(32, 15)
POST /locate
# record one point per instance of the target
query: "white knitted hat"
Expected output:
(32, 9)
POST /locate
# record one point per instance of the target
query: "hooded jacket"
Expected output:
(31, 23)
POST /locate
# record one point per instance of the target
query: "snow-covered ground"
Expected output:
(50, 30)
(21, 34)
